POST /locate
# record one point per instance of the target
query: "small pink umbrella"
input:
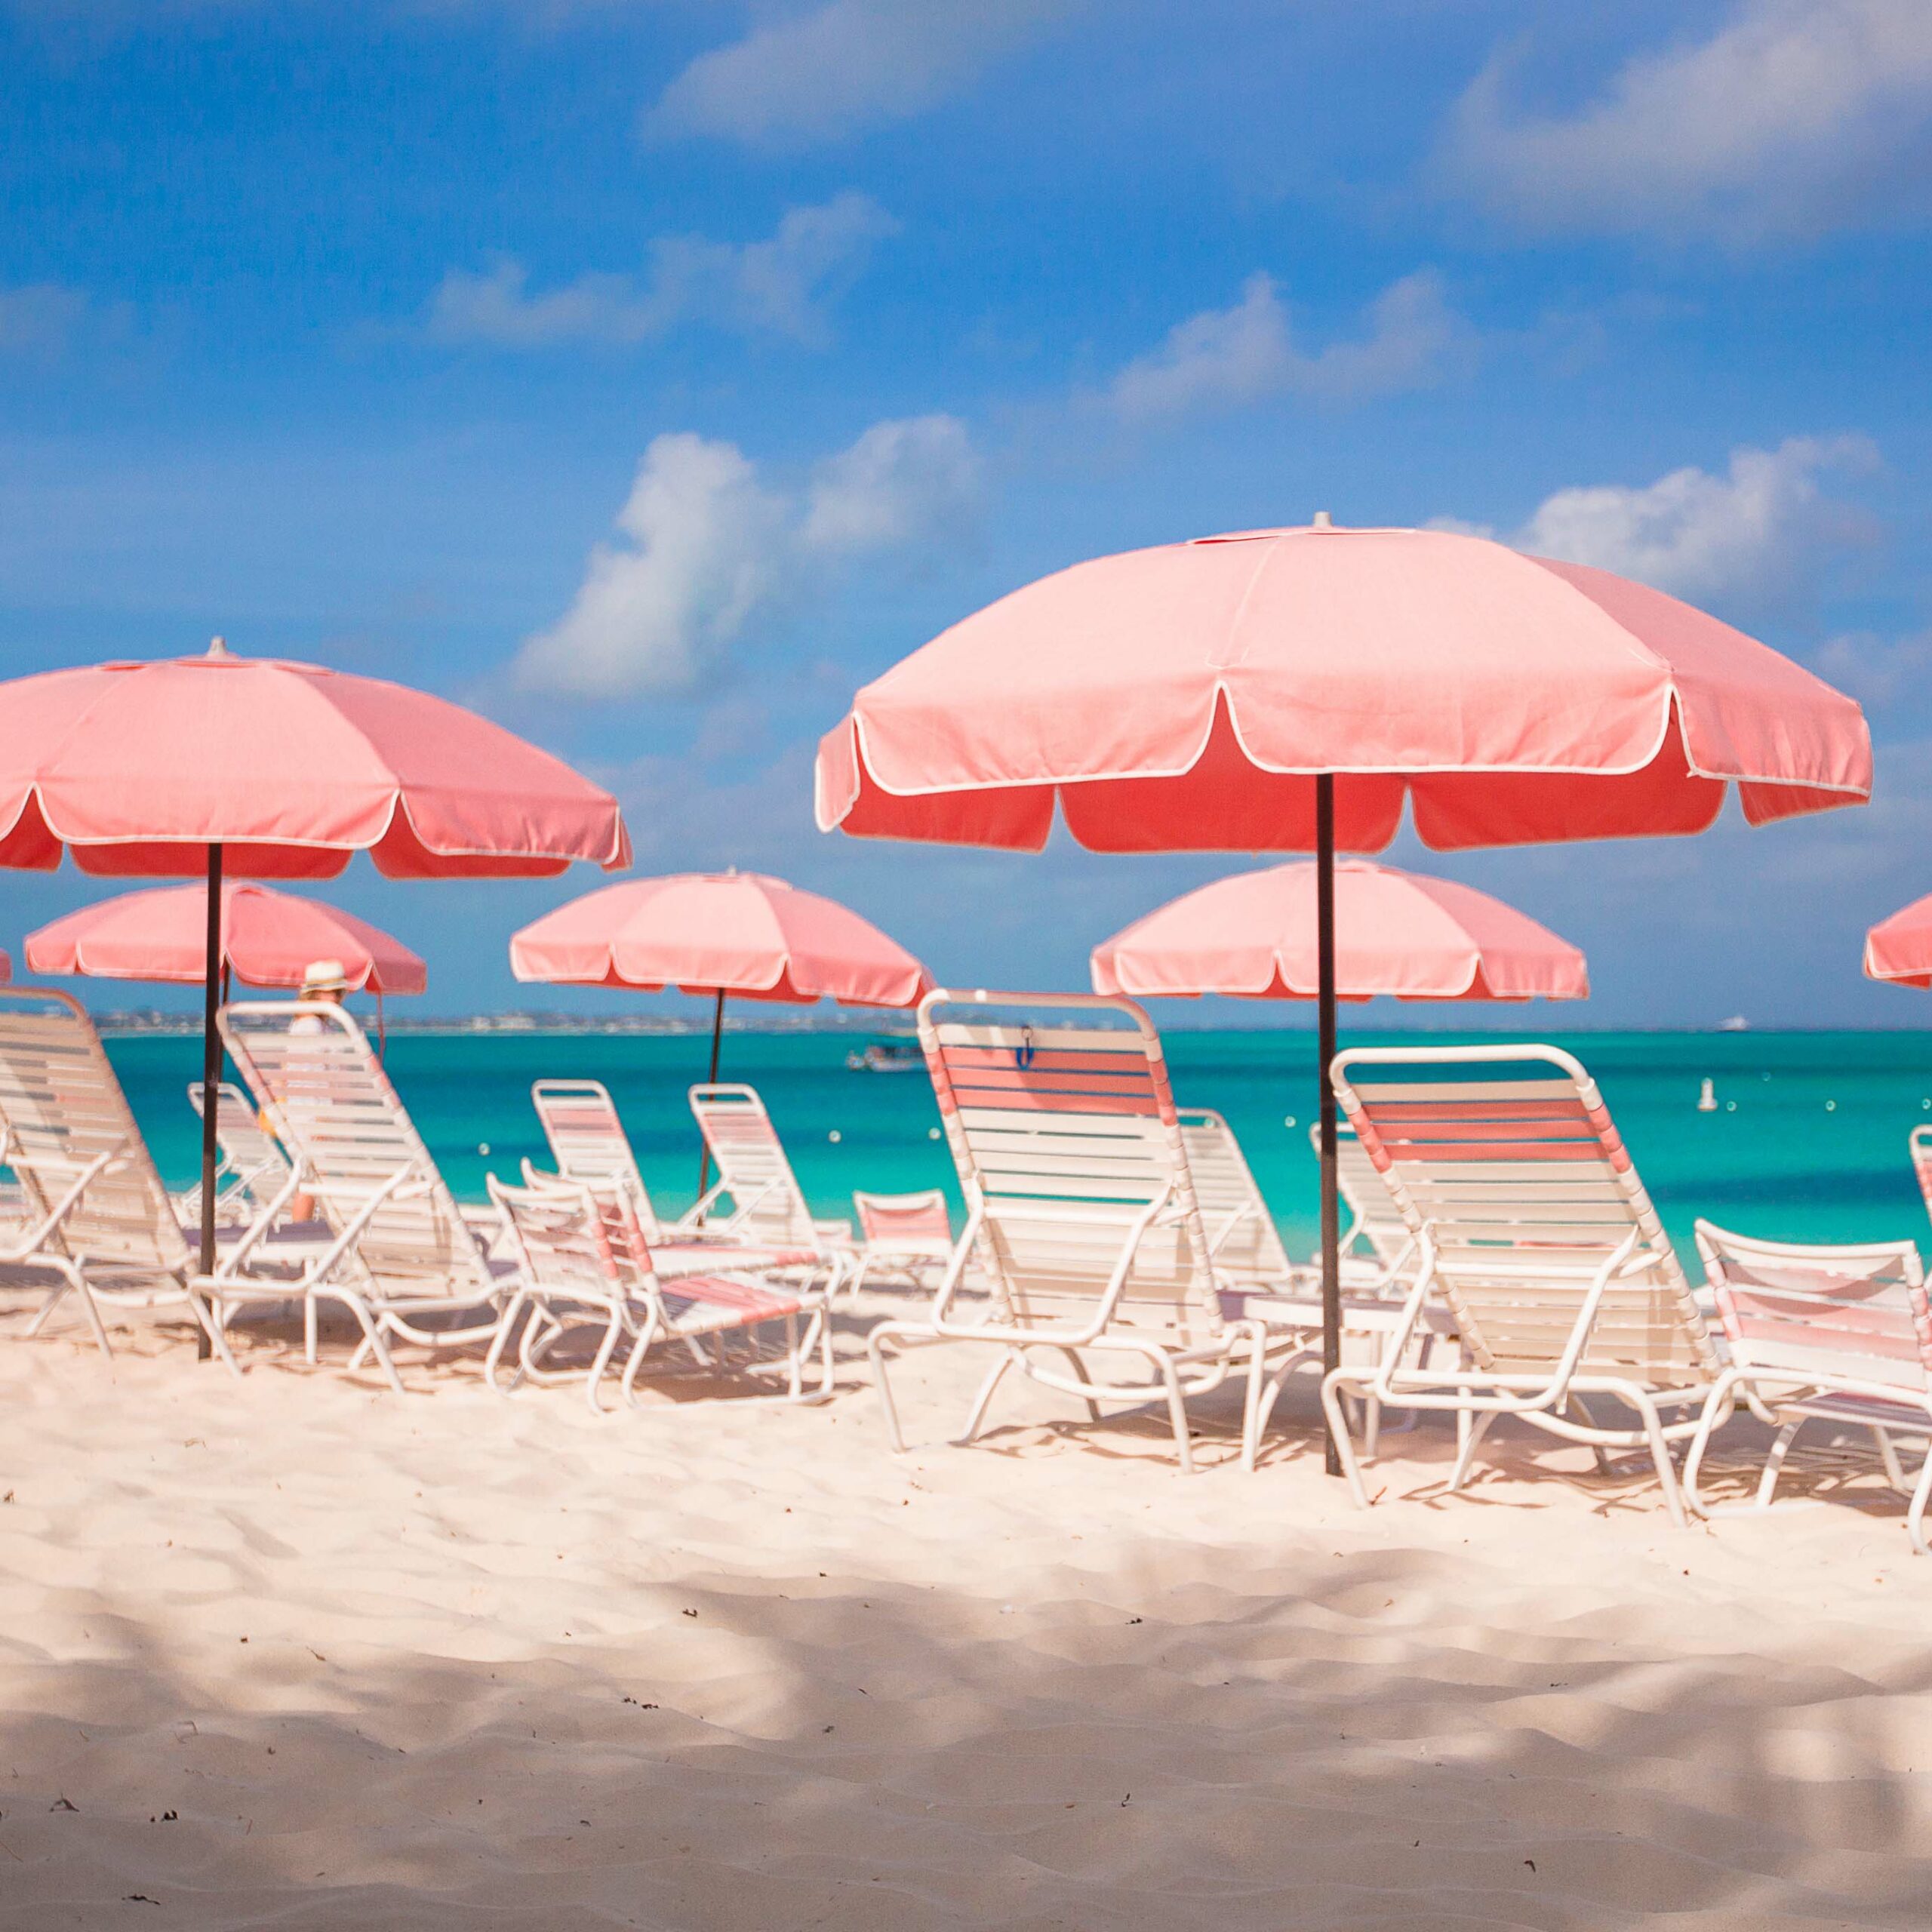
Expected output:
(187, 766)
(268, 939)
(1898, 950)
(1255, 937)
(1284, 690)
(719, 933)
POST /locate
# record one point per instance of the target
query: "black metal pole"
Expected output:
(704, 1145)
(1324, 959)
(210, 1074)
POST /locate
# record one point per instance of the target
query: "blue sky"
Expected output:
(650, 373)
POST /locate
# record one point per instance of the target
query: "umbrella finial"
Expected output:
(1322, 521)
(218, 646)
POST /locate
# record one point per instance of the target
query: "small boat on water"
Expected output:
(889, 1057)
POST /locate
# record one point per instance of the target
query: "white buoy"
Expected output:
(1831, 1106)
(835, 1135)
(1730, 1106)
(483, 1147)
(1707, 1096)
(1287, 1120)
(932, 1132)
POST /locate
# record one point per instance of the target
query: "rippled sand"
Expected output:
(293, 1653)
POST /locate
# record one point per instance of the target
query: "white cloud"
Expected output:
(842, 66)
(1698, 534)
(656, 612)
(901, 482)
(782, 284)
(1224, 357)
(39, 318)
(708, 545)
(1797, 115)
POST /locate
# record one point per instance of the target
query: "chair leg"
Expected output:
(1338, 1429)
(308, 1330)
(605, 1349)
(1914, 1515)
(1079, 1368)
(519, 1302)
(372, 1335)
(1660, 1455)
(1007, 1357)
(1767, 1482)
(1717, 1409)
(1470, 1430)
(1177, 1416)
(1250, 1409)
(647, 1334)
(875, 1343)
(1889, 1457)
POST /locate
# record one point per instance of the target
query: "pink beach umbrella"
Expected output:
(1255, 937)
(1293, 690)
(194, 767)
(268, 939)
(6, 969)
(1898, 950)
(719, 933)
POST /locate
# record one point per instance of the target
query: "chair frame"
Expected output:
(1147, 1190)
(1545, 1396)
(909, 1255)
(615, 1282)
(342, 1272)
(1798, 1377)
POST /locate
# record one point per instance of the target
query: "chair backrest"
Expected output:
(252, 1162)
(1507, 1158)
(560, 1234)
(1373, 1215)
(1065, 1133)
(64, 1107)
(1920, 1142)
(1241, 1233)
(310, 1068)
(1855, 1313)
(767, 1207)
(896, 1222)
(588, 1141)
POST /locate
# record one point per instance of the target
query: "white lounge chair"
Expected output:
(1081, 1210)
(1242, 1237)
(1377, 1245)
(253, 1169)
(403, 1251)
(909, 1235)
(768, 1206)
(589, 1146)
(1834, 1334)
(1920, 1143)
(582, 1260)
(96, 1213)
(1533, 1229)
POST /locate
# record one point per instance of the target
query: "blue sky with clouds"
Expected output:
(649, 373)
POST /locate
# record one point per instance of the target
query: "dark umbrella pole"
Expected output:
(711, 1079)
(210, 1075)
(1324, 1030)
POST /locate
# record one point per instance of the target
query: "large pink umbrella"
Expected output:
(719, 933)
(1255, 937)
(268, 939)
(1290, 689)
(191, 766)
(1898, 950)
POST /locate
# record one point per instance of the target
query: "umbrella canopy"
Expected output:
(1898, 950)
(136, 769)
(269, 769)
(1186, 698)
(736, 933)
(741, 933)
(1292, 690)
(1255, 936)
(268, 939)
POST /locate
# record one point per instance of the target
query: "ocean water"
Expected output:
(1808, 1142)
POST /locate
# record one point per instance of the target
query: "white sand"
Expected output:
(299, 1654)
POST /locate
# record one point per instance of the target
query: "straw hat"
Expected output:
(324, 976)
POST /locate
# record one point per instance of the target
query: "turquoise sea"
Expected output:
(1808, 1142)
